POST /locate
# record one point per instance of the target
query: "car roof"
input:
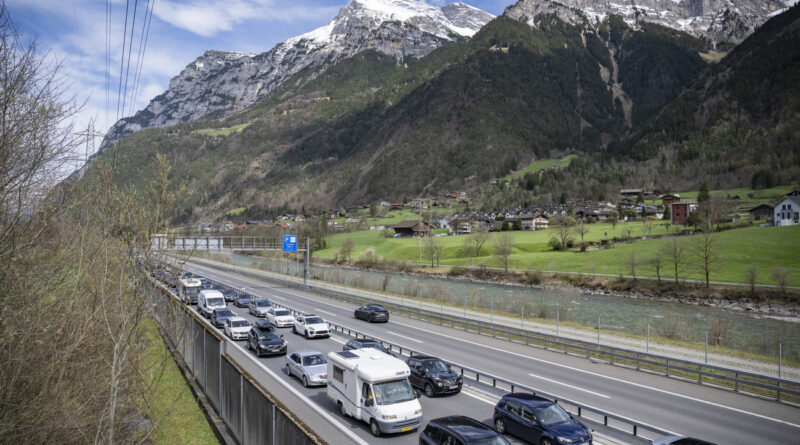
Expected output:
(222, 309)
(263, 324)
(467, 427)
(377, 306)
(528, 399)
(305, 352)
(237, 318)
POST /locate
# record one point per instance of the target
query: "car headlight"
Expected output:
(438, 383)
(389, 416)
(418, 411)
(565, 439)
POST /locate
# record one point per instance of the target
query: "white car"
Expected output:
(237, 328)
(311, 326)
(280, 318)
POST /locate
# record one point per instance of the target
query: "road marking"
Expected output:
(569, 386)
(610, 378)
(407, 338)
(324, 312)
(474, 396)
(337, 339)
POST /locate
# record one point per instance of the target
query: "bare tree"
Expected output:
(346, 249)
(647, 226)
(433, 249)
(626, 234)
(751, 277)
(563, 225)
(503, 246)
(633, 262)
(706, 251)
(781, 276)
(613, 218)
(581, 229)
(656, 263)
(674, 250)
(477, 239)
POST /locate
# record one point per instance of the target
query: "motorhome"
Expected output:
(373, 386)
(188, 288)
(208, 300)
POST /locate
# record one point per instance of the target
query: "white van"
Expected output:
(373, 386)
(208, 300)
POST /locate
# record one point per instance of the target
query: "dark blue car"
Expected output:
(460, 430)
(539, 421)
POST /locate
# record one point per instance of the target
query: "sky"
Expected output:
(73, 33)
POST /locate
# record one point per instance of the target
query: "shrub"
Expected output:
(583, 246)
(457, 271)
(554, 243)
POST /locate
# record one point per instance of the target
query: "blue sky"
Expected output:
(74, 33)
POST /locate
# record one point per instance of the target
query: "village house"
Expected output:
(763, 212)
(670, 198)
(396, 207)
(787, 210)
(680, 211)
(411, 228)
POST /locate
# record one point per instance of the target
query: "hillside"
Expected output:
(368, 128)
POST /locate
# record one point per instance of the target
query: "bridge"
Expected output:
(171, 242)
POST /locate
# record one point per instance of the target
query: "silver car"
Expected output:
(308, 365)
(259, 307)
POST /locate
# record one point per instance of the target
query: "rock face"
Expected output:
(218, 83)
(726, 22)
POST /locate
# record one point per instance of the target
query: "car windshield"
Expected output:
(314, 320)
(191, 291)
(376, 308)
(311, 360)
(435, 366)
(551, 415)
(395, 391)
(243, 297)
(282, 312)
(215, 301)
(263, 303)
(266, 335)
(240, 324)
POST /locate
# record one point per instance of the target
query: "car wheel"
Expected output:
(288, 370)
(306, 335)
(374, 428)
(429, 390)
(257, 352)
(305, 381)
(499, 425)
(547, 441)
(294, 329)
(341, 409)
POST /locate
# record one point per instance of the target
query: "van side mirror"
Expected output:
(369, 402)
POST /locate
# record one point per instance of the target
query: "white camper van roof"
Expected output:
(372, 365)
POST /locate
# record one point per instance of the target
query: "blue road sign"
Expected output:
(290, 243)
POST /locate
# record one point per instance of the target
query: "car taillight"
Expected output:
(495, 408)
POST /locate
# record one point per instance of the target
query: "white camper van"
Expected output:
(208, 300)
(188, 289)
(373, 386)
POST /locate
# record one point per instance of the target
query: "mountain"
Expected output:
(723, 22)
(366, 128)
(219, 83)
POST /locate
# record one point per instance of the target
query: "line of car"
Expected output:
(528, 417)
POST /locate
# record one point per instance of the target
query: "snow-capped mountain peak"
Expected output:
(219, 83)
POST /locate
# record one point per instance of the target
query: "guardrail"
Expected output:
(702, 373)
(622, 424)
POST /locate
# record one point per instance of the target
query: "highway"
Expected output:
(720, 416)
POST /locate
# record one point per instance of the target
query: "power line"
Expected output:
(130, 47)
(122, 60)
(148, 18)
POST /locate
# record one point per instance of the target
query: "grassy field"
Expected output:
(182, 421)
(222, 131)
(748, 198)
(765, 247)
(538, 165)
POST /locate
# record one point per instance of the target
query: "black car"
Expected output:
(364, 343)
(218, 316)
(242, 300)
(539, 421)
(372, 313)
(228, 294)
(433, 375)
(459, 430)
(264, 340)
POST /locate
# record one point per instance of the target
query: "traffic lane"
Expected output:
(670, 407)
(473, 406)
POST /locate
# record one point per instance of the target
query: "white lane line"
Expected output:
(611, 378)
(407, 338)
(324, 312)
(337, 339)
(466, 393)
(569, 386)
(279, 298)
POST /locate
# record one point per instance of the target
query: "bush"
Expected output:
(583, 246)
(555, 243)
(457, 271)
(532, 278)
(570, 243)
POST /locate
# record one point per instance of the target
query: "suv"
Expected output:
(259, 307)
(311, 326)
(433, 375)
(264, 339)
(242, 300)
(361, 343)
(459, 430)
(538, 420)
(372, 313)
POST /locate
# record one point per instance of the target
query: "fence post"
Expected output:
(647, 345)
(522, 316)
(557, 318)
(598, 330)
(706, 348)
(780, 359)
(306, 264)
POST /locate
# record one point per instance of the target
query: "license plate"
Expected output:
(453, 386)
(408, 428)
